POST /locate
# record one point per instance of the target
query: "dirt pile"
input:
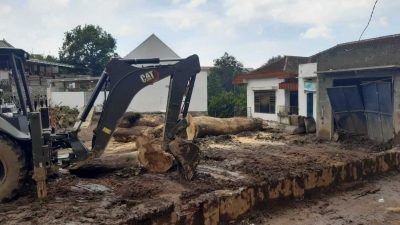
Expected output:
(351, 141)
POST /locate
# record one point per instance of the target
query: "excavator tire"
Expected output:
(12, 168)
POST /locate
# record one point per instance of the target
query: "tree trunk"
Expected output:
(105, 163)
(202, 126)
(130, 134)
(130, 119)
(152, 156)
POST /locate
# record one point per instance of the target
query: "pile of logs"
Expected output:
(147, 130)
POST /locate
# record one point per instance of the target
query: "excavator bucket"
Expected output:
(187, 155)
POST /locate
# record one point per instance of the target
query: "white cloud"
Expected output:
(248, 29)
(319, 31)
(176, 1)
(299, 11)
(5, 9)
(383, 21)
(195, 3)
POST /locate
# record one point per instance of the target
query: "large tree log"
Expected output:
(106, 163)
(152, 156)
(130, 119)
(130, 134)
(202, 126)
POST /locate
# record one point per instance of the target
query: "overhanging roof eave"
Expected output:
(359, 69)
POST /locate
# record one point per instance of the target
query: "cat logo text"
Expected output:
(150, 77)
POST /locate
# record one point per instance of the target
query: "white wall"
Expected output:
(307, 72)
(152, 98)
(4, 74)
(71, 99)
(264, 84)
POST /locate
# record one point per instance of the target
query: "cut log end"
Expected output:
(152, 157)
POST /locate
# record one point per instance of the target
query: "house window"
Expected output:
(264, 101)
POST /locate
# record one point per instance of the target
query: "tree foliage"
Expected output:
(225, 69)
(48, 58)
(89, 48)
(273, 59)
(224, 98)
(228, 104)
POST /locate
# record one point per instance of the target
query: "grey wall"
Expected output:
(375, 52)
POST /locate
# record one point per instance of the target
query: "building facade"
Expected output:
(272, 90)
(37, 73)
(307, 90)
(358, 89)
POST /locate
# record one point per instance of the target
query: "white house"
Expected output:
(307, 90)
(154, 97)
(272, 90)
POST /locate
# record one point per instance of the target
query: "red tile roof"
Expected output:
(240, 79)
(287, 67)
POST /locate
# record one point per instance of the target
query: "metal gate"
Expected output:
(365, 109)
(348, 109)
(378, 106)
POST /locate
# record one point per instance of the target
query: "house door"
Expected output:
(293, 102)
(310, 104)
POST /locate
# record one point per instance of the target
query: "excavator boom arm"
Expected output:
(124, 82)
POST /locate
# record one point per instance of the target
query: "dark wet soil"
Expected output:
(228, 162)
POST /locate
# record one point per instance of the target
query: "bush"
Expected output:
(227, 104)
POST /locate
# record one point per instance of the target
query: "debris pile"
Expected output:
(64, 116)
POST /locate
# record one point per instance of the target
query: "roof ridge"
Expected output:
(6, 43)
(155, 37)
(369, 39)
(355, 42)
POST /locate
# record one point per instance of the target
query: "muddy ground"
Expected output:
(228, 162)
(372, 202)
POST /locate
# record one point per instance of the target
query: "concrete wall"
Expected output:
(4, 74)
(71, 99)
(264, 84)
(396, 108)
(307, 72)
(367, 53)
(324, 111)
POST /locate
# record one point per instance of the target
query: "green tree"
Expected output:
(48, 58)
(89, 48)
(225, 69)
(224, 98)
(273, 59)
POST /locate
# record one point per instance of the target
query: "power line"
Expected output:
(370, 17)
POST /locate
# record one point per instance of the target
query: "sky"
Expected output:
(251, 30)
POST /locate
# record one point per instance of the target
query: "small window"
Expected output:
(264, 101)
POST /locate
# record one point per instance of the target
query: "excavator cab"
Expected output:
(28, 145)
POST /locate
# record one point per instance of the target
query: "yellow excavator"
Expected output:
(29, 147)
